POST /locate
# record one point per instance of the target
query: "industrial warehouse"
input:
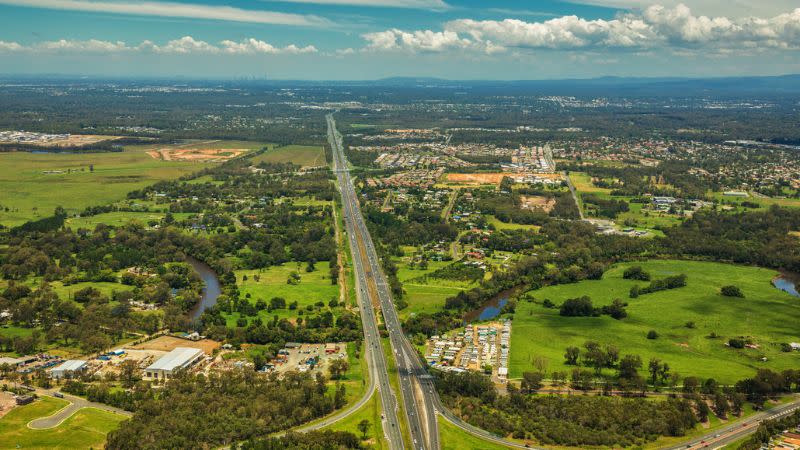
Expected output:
(177, 359)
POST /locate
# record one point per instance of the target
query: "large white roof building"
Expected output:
(68, 367)
(179, 358)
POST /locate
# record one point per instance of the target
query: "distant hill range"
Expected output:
(619, 85)
(604, 86)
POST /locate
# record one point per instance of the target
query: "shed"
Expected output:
(14, 362)
(68, 368)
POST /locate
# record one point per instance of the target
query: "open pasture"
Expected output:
(685, 319)
(34, 184)
(302, 155)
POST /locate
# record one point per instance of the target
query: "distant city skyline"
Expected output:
(369, 39)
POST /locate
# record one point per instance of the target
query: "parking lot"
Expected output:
(310, 358)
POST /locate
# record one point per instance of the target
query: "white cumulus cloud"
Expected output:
(186, 45)
(656, 26)
(9, 46)
(252, 46)
(415, 41)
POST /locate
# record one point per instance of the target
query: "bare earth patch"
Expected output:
(494, 177)
(7, 403)
(536, 202)
(476, 178)
(196, 154)
(169, 343)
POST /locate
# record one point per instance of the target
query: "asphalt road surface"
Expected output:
(379, 368)
(75, 404)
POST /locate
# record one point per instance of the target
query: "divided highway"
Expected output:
(416, 387)
(375, 356)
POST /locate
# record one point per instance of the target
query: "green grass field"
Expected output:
(492, 220)
(425, 296)
(120, 218)
(355, 380)
(87, 428)
(764, 202)
(370, 411)
(453, 438)
(28, 193)
(302, 155)
(13, 331)
(313, 287)
(766, 314)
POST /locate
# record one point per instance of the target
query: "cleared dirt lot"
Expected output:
(536, 202)
(476, 178)
(169, 343)
(7, 403)
(497, 177)
(196, 154)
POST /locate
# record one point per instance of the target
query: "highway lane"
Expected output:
(379, 368)
(414, 381)
(738, 429)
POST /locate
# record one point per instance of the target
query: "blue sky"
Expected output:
(367, 39)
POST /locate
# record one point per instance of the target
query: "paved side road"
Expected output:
(330, 420)
(75, 404)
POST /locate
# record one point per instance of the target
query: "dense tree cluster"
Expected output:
(246, 405)
(604, 207)
(664, 284)
(758, 237)
(582, 307)
(312, 440)
(555, 420)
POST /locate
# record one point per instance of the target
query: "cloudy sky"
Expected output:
(368, 39)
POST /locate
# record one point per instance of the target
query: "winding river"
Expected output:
(210, 292)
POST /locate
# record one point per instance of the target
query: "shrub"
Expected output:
(731, 291)
(652, 334)
(736, 343)
(577, 307)
(673, 282)
(636, 273)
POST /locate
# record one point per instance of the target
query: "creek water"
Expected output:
(491, 308)
(211, 291)
(788, 282)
